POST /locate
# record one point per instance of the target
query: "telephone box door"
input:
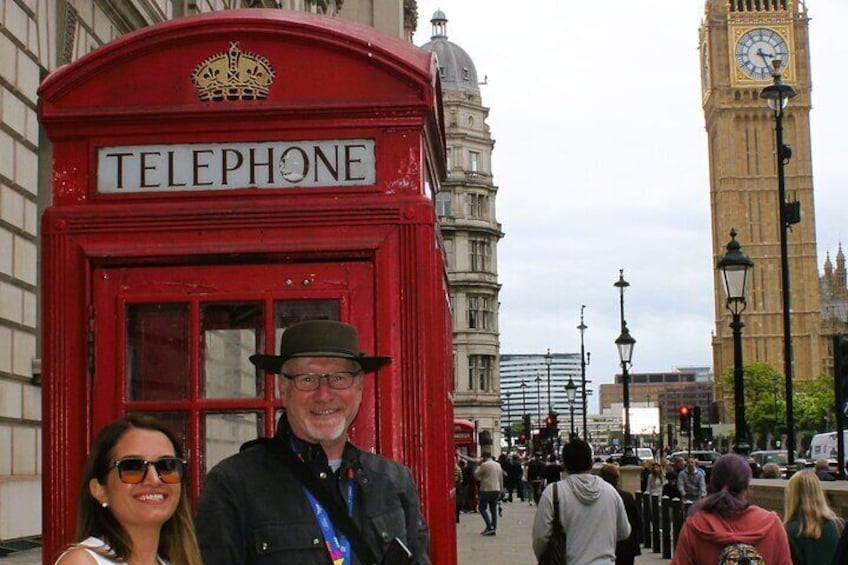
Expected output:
(175, 341)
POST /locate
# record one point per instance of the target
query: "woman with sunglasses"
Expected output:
(132, 505)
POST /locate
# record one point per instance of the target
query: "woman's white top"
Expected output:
(100, 550)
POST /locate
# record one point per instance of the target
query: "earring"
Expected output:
(104, 504)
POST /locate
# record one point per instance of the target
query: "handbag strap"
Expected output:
(557, 525)
(338, 514)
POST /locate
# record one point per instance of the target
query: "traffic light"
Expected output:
(840, 367)
(696, 423)
(553, 424)
(522, 439)
(527, 430)
(683, 412)
(537, 442)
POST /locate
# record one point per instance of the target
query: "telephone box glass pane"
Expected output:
(178, 424)
(288, 312)
(157, 351)
(225, 432)
(231, 333)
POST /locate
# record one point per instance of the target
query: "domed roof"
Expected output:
(455, 65)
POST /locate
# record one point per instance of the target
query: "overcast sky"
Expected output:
(601, 163)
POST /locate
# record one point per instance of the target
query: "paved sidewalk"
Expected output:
(511, 545)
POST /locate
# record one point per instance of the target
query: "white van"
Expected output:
(645, 454)
(824, 445)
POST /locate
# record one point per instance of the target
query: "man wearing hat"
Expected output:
(308, 493)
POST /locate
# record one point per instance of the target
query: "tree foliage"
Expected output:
(765, 400)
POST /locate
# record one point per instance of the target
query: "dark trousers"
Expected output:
(489, 504)
(537, 491)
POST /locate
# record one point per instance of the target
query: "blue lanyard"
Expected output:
(337, 546)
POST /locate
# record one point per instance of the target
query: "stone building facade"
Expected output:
(466, 209)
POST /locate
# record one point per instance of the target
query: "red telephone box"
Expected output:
(463, 437)
(215, 179)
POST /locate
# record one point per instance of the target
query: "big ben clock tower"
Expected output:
(740, 41)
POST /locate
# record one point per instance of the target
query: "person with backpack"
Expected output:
(725, 528)
(813, 527)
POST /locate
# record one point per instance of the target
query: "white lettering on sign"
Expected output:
(229, 166)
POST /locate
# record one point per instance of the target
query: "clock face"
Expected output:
(756, 51)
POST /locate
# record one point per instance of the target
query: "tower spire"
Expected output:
(440, 25)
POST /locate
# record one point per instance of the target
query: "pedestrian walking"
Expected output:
(690, 481)
(590, 510)
(625, 550)
(490, 475)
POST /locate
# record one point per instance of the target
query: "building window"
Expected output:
(479, 312)
(477, 204)
(479, 251)
(473, 161)
(481, 372)
(443, 204)
(450, 259)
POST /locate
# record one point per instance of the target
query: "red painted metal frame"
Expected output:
(336, 80)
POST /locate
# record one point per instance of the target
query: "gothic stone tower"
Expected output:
(738, 41)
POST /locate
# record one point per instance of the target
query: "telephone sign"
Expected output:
(219, 166)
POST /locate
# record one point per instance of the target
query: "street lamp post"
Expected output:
(571, 392)
(523, 386)
(734, 267)
(548, 365)
(625, 343)
(539, 400)
(508, 422)
(528, 432)
(777, 95)
(584, 360)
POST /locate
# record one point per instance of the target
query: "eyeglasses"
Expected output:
(308, 382)
(132, 470)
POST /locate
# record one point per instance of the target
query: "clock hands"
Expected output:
(764, 56)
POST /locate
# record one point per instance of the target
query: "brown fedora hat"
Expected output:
(319, 338)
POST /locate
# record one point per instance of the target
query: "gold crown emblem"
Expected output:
(233, 75)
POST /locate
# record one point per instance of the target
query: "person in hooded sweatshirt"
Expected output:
(590, 510)
(726, 517)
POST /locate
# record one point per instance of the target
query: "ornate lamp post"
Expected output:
(571, 392)
(584, 360)
(625, 343)
(777, 95)
(734, 267)
(548, 365)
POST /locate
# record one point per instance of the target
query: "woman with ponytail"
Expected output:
(726, 521)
